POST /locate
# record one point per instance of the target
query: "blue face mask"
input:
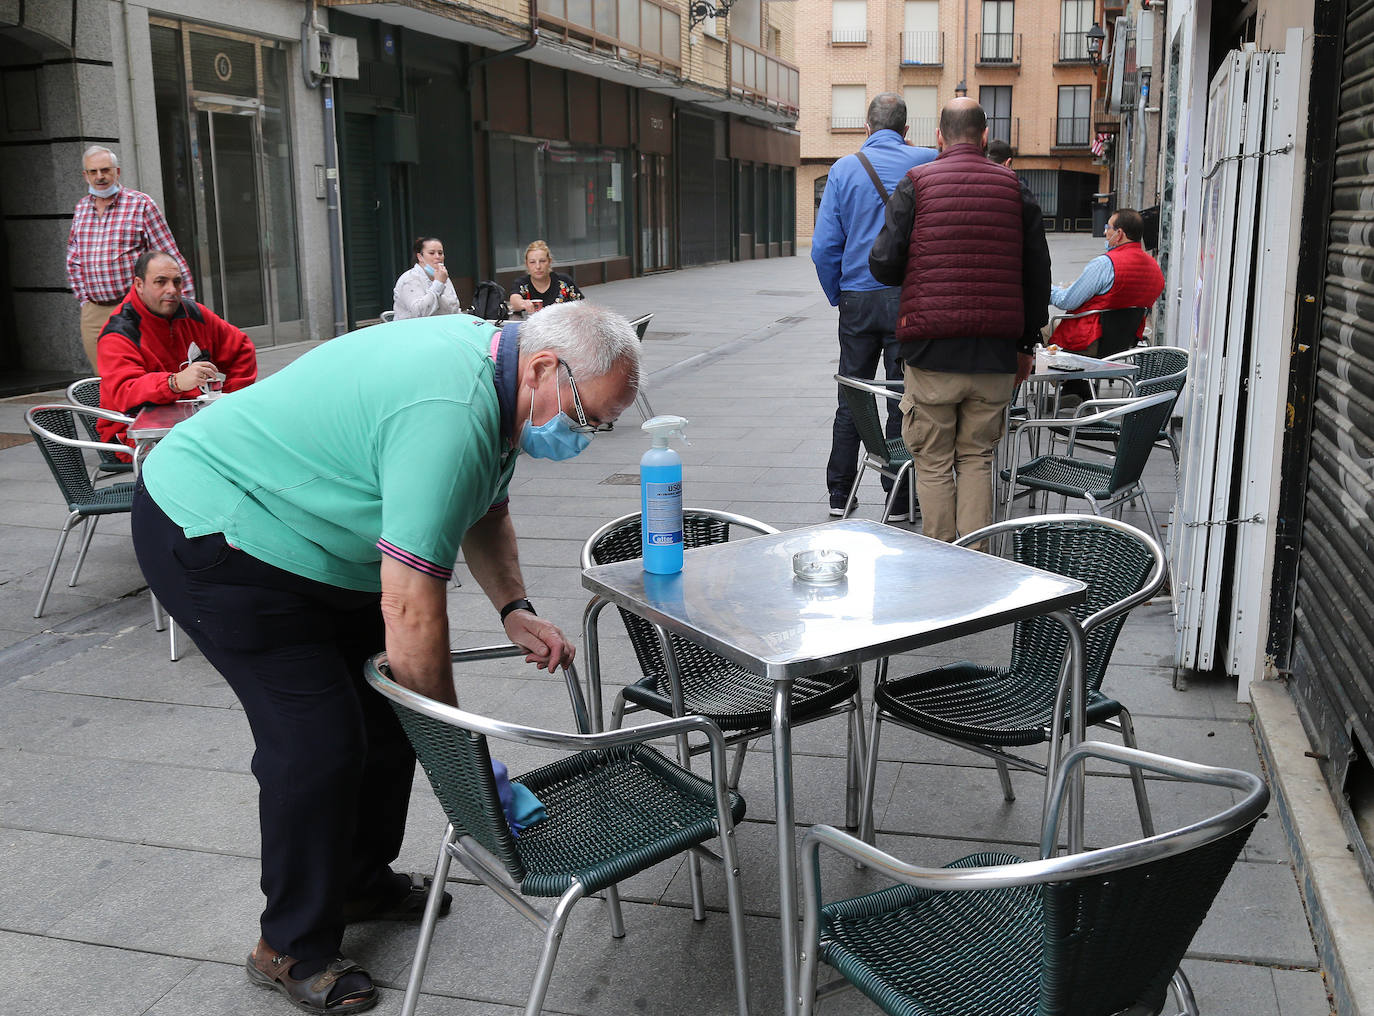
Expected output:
(107, 192)
(429, 269)
(552, 440)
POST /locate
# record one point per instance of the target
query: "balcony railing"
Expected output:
(998, 49)
(651, 32)
(757, 77)
(1071, 47)
(847, 123)
(923, 49)
(1073, 131)
(920, 130)
(849, 37)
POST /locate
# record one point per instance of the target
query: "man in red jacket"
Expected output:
(159, 347)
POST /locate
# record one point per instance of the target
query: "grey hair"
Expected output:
(887, 112)
(97, 150)
(589, 338)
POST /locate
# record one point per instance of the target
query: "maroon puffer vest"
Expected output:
(963, 266)
(1136, 282)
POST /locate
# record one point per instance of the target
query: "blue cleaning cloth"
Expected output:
(522, 808)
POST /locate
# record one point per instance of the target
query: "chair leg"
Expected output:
(431, 918)
(1004, 775)
(684, 759)
(1142, 800)
(617, 711)
(87, 532)
(172, 653)
(1183, 993)
(617, 917)
(642, 403)
(553, 938)
(737, 765)
(52, 566)
(159, 618)
(734, 905)
(870, 776)
(856, 760)
(854, 491)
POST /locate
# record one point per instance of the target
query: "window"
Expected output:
(1075, 116)
(849, 21)
(998, 42)
(921, 33)
(996, 103)
(848, 107)
(646, 24)
(573, 196)
(922, 114)
(1075, 18)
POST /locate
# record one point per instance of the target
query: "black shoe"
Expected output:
(837, 505)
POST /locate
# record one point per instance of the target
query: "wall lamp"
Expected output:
(1095, 39)
(700, 10)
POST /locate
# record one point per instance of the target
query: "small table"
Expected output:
(902, 591)
(153, 423)
(1093, 369)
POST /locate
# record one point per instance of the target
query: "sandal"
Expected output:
(410, 906)
(269, 969)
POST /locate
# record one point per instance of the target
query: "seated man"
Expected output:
(1125, 276)
(159, 347)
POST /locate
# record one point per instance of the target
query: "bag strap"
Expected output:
(873, 175)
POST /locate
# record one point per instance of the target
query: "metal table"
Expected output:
(1093, 368)
(153, 423)
(902, 591)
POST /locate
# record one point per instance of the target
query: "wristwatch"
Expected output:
(520, 604)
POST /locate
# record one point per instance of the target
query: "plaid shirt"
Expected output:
(102, 249)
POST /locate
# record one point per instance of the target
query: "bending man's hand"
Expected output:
(1024, 363)
(544, 644)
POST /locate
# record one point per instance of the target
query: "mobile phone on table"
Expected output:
(1067, 368)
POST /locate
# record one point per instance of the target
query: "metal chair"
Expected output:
(1095, 933)
(1102, 485)
(641, 325)
(86, 392)
(990, 709)
(387, 315)
(1120, 327)
(888, 455)
(1162, 368)
(54, 430)
(615, 807)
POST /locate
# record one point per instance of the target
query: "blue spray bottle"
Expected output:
(660, 498)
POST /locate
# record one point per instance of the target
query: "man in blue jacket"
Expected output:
(847, 223)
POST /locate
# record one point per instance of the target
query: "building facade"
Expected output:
(296, 195)
(1026, 63)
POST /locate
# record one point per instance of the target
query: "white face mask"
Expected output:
(108, 192)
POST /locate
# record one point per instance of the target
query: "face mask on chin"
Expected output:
(108, 192)
(555, 439)
(429, 269)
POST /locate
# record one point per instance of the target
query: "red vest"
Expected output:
(1137, 282)
(963, 266)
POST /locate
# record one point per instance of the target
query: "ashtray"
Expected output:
(820, 567)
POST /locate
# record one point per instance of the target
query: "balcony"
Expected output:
(847, 123)
(1071, 49)
(762, 79)
(923, 49)
(920, 130)
(1107, 123)
(645, 33)
(849, 37)
(1073, 132)
(998, 49)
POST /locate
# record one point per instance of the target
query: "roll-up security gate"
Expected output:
(1333, 624)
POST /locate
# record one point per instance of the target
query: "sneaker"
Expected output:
(837, 506)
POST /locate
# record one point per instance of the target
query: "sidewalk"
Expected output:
(129, 880)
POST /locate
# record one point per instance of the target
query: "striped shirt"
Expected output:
(102, 248)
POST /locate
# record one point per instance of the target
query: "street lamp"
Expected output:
(700, 10)
(961, 89)
(1095, 39)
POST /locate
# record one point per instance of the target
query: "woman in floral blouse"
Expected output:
(542, 283)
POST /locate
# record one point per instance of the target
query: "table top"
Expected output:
(902, 591)
(1093, 369)
(155, 422)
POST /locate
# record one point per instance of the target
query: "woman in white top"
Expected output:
(424, 290)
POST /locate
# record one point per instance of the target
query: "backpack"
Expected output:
(489, 302)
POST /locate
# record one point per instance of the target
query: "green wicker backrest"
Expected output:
(1112, 563)
(863, 407)
(458, 765)
(623, 544)
(1157, 361)
(1114, 940)
(1120, 325)
(67, 464)
(1140, 430)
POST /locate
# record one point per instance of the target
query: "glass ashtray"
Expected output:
(820, 567)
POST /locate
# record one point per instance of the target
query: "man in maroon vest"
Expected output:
(1125, 276)
(966, 242)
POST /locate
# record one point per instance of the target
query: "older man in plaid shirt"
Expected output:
(111, 227)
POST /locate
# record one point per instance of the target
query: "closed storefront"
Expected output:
(703, 190)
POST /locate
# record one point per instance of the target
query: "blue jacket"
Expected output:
(851, 212)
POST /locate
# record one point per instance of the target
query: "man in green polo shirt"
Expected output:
(297, 527)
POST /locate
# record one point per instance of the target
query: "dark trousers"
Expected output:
(332, 763)
(868, 323)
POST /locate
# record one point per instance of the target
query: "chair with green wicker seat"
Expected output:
(1094, 933)
(54, 430)
(888, 455)
(86, 392)
(1162, 368)
(614, 805)
(993, 709)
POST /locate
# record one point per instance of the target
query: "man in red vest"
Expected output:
(1125, 276)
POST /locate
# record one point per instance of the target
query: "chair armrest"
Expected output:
(77, 442)
(879, 388)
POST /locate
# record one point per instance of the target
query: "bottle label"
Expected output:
(663, 513)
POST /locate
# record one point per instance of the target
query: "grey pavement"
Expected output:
(128, 879)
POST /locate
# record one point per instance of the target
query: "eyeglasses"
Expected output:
(582, 426)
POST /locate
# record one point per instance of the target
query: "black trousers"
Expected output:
(868, 322)
(333, 765)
